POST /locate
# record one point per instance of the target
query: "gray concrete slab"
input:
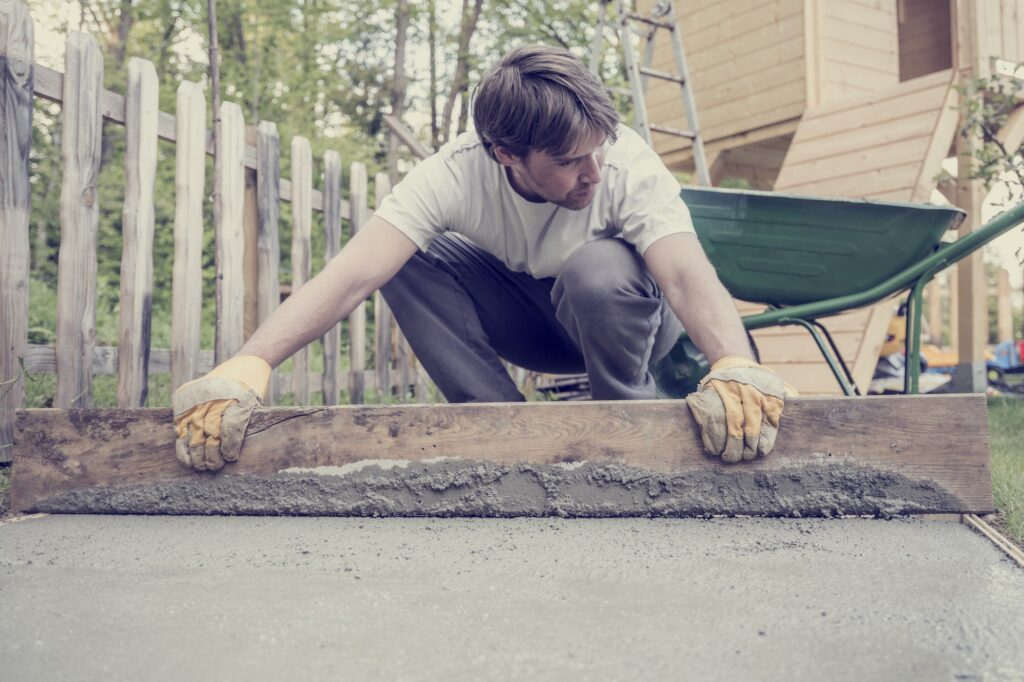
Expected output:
(107, 597)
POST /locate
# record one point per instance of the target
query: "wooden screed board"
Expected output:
(873, 455)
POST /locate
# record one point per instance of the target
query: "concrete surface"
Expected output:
(107, 597)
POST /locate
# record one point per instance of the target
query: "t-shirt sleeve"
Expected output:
(419, 205)
(649, 205)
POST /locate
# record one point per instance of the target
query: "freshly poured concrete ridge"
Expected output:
(877, 455)
(94, 597)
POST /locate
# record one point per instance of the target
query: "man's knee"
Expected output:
(602, 270)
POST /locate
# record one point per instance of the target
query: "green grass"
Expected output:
(5, 487)
(1006, 424)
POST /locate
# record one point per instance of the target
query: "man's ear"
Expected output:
(505, 157)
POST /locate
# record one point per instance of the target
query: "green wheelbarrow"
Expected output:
(808, 258)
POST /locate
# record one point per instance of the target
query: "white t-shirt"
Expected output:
(460, 188)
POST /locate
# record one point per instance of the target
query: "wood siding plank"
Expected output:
(870, 137)
(856, 162)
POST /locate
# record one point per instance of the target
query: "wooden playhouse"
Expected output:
(850, 99)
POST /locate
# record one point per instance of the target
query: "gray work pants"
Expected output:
(462, 310)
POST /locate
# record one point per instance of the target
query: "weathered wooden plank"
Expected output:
(381, 313)
(357, 319)
(81, 146)
(250, 259)
(137, 226)
(268, 245)
(332, 245)
(189, 186)
(875, 455)
(17, 47)
(302, 230)
(229, 185)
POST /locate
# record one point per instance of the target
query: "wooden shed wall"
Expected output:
(858, 48)
(1001, 24)
(746, 64)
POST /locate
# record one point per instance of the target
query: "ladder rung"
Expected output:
(688, 134)
(647, 20)
(663, 75)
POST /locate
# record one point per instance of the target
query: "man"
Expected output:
(552, 237)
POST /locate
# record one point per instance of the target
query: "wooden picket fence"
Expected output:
(251, 191)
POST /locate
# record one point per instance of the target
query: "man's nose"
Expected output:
(591, 172)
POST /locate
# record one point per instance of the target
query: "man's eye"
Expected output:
(566, 163)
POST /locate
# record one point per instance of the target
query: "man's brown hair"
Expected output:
(541, 98)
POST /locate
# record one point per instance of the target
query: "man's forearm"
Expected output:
(709, 316)
(697, 297)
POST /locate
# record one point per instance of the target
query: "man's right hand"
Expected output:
(211, 413)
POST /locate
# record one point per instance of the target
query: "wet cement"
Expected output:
(109, 597)
(446, 487)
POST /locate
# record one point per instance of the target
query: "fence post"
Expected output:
(16, 86)
(141, 108)
(268, 245)
(357, 319)
(332, 244)
(302, 226)
(81, 145)
(229, 176)
(381, 312)
(189, 186)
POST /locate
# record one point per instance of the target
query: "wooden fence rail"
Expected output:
(248, 177)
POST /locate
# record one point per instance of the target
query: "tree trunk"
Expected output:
(123, 27)
(432, 32)
(470, 16)
(399, 84)
(211, 7)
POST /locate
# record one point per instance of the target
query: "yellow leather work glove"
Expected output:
(738, 407)
(211, 413)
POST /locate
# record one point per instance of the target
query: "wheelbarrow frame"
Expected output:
(913, 279)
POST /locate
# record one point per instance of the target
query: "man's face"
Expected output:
(569, 181)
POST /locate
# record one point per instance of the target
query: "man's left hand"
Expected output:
(738, 407)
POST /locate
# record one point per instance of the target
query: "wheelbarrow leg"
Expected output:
(915, 308)
(831, 352)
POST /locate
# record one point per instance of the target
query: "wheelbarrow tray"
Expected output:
(782, 249)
